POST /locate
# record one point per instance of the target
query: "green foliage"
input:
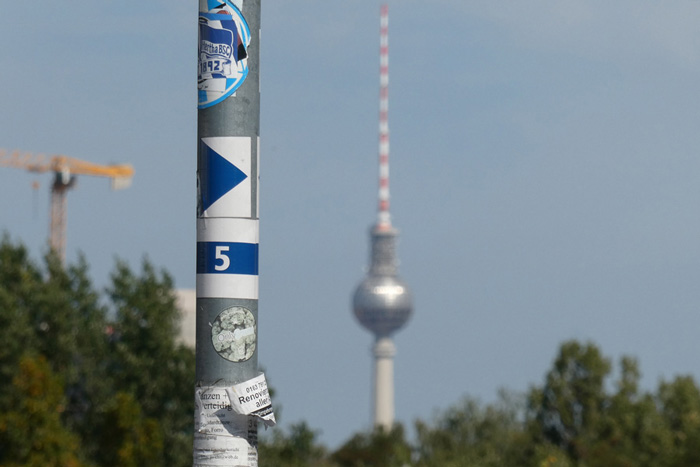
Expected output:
(127, 437)
(115, 391)
(633, 431)
(679, 401)
(19, 281)
(570, 406)
(573, 419)
(87, 383)
(379, 448)
(31, 431)
(148, 363)
(469, 434)
(299, 448)
(576, 415)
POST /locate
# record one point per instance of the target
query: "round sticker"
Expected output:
(234, 333)
(224, 38)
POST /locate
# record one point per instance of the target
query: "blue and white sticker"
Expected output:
(227, 258)
(225, 185)
(224, 38)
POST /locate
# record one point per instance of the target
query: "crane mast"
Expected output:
(64, 169)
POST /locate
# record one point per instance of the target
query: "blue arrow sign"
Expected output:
(219, 177)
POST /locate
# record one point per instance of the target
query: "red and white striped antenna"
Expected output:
(384, 218)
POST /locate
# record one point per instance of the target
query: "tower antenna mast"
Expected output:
(384, 218)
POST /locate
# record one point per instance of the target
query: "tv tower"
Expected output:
(382, 302)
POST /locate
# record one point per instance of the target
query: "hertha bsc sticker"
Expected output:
(224, 38)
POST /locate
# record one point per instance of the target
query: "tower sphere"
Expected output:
(382, 304)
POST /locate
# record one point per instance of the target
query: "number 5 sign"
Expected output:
(227, 258)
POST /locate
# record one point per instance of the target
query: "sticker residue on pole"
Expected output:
(224, 38)
(234, 334)
(253, 398)
(222, 436)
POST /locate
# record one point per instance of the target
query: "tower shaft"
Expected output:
(384, 351)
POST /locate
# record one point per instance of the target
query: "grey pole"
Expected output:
(227, 232)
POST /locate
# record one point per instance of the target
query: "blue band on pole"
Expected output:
(227, 258)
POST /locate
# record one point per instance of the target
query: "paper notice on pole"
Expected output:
(222, 436)
(253, 398)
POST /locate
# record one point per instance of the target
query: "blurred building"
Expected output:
(187, 305)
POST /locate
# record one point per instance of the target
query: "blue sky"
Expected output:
(544, 179)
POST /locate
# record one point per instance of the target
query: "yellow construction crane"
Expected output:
(65, 169)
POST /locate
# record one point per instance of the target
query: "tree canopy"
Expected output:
(98, 378)
(90, 378)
